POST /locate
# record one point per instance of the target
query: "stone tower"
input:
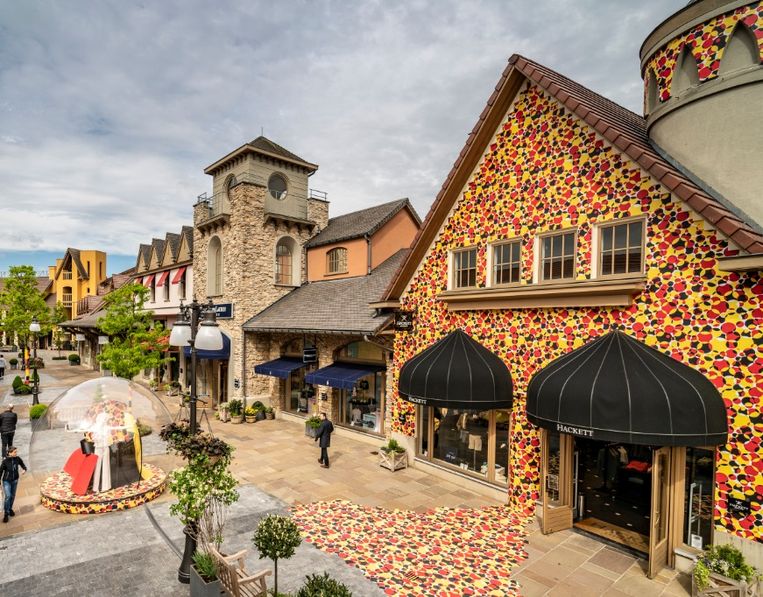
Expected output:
(248, 242)
(703, 92)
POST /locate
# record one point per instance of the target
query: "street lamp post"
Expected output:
(199, 334)
(34, 327)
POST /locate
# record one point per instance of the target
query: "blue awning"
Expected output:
(341, 375)
(223, 354)
(279, 367)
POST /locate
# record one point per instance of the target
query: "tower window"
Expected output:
(284, 262)
(230, 182)
(277, 186)
(215, 267)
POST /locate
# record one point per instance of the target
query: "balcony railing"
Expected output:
(218, 204)
(66, 299)
(66, 275)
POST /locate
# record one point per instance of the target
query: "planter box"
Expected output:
(310, 432)
(236, 419)
(393, 460)
(721, 586)
(202, 588)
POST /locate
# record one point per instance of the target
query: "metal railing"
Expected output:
(316, 194)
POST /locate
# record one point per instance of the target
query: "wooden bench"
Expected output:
(235, 579)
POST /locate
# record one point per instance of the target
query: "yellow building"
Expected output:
(75, 277)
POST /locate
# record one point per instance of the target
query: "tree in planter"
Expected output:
(136, 343)
(276, 537)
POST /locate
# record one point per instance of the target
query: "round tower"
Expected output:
(703, 93)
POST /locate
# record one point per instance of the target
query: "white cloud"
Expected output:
(110, 111)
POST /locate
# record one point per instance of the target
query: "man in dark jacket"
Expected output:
(9, 475)
(7, 428)
(323, 437)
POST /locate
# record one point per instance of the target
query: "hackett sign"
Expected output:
(581, 431)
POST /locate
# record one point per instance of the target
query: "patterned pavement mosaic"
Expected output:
(445, 552)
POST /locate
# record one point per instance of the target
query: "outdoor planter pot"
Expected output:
(260, 415)
(202, 588)
(251, 418)
(223, 414)
(393, 460)
(721, 585)
(270, 415)
(236, 419)
(310, 431)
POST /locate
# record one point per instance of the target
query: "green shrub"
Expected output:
(235, 406)
(205, 565)
(17, 382)
(258, 405)
(393, 446)
(23, 389)
(13, 362)
(725, 560)
(323, 586)
(61, 358)
(73, 358)
(37, 411)
(313, 422)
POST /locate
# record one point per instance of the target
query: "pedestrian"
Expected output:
(9, 474)
(7, 428)
(3, 364)
(323, 437)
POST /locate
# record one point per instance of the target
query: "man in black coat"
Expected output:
(323, 437)
(7, 428)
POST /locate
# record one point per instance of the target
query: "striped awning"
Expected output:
(457, 372)
(178, 275)
(163, 278)
(616, 388)
(147, 280)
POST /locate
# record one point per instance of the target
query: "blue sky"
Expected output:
(110, 111)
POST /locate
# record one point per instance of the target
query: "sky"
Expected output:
(110, 110)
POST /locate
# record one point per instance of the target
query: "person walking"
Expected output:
(8, 421)
(323, 437)
(3, 365)
(9, 474)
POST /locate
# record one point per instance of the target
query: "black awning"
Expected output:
(616, 388)
(457, 372)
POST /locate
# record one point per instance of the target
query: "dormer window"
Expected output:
(277, 186)
(337, 261)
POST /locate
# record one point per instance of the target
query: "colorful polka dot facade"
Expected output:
(446, 552)
(706, 42)
(544, 171)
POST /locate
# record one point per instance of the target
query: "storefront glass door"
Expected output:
(556, 477)
(658, 536)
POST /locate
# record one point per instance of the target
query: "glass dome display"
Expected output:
(97, 439)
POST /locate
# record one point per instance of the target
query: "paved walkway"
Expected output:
(278, 468)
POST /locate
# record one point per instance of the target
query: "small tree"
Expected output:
(22, 302)
(59, 315)
(136, 343)
(277, 537)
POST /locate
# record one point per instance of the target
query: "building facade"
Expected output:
(75, 276)
(567, 217)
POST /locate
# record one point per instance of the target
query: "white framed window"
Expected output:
(464, 268)
(336, 261)
(557, 256)
(621, 248)
(505, 266)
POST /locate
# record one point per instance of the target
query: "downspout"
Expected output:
(243, 364)
(368, 253)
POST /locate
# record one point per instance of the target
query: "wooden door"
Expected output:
(660, 511)
(556, 480)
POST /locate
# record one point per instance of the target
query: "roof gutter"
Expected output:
(365, 339)
(310, 331)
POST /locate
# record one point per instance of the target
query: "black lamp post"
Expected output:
(34, 327)
(200, 334)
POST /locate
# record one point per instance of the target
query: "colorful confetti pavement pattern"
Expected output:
(445, 552)
(545, 170)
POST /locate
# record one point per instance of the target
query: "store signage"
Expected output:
(403, 321)
(581, 431)
(310, 354)
(416, 400)
(79, 337)
(739, 507)
(237, 383)
(324, 396)
(224, 311)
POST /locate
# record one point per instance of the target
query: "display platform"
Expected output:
(56, 493)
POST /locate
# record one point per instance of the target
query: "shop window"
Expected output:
(476, 442)
(362, 407)
(215, 267)
(622, 249)
(506, 263)
(296, 394)
(465, 268)
(698, 498)
(558, 256)
(337, 261)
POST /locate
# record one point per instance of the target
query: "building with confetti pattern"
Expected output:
(612, 262)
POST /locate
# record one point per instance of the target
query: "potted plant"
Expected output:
(277, 537)
(204, 581)
(311, 426)
(270, 414)
(250, 414)
(259, 410)
(236, 411)
(223, 413)
(73, 359)
(14, 362)
(19, 387)
(318, 586)
(723, 568)
(393, 456)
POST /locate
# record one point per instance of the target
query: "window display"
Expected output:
(362, 407)
(698, 498)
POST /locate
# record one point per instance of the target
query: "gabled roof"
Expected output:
(360, 223)
(187, 233)
(157, 248)
(624, 130)
(171, 244)
(263, 146)
(331, 306)
(144, 256)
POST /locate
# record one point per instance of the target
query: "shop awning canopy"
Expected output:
(178, 275)
(222, 354)
(341, 375)
(279, 367)
(457, 372)
(163, 278)
(616, 388)
(147, 281)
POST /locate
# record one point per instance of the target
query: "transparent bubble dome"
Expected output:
(106, 411)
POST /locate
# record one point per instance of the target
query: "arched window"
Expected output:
(337, 261)
(230, 182)
(215, 267)
(277, 186)
(285, 261)
(686, 74)
(741, 50)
